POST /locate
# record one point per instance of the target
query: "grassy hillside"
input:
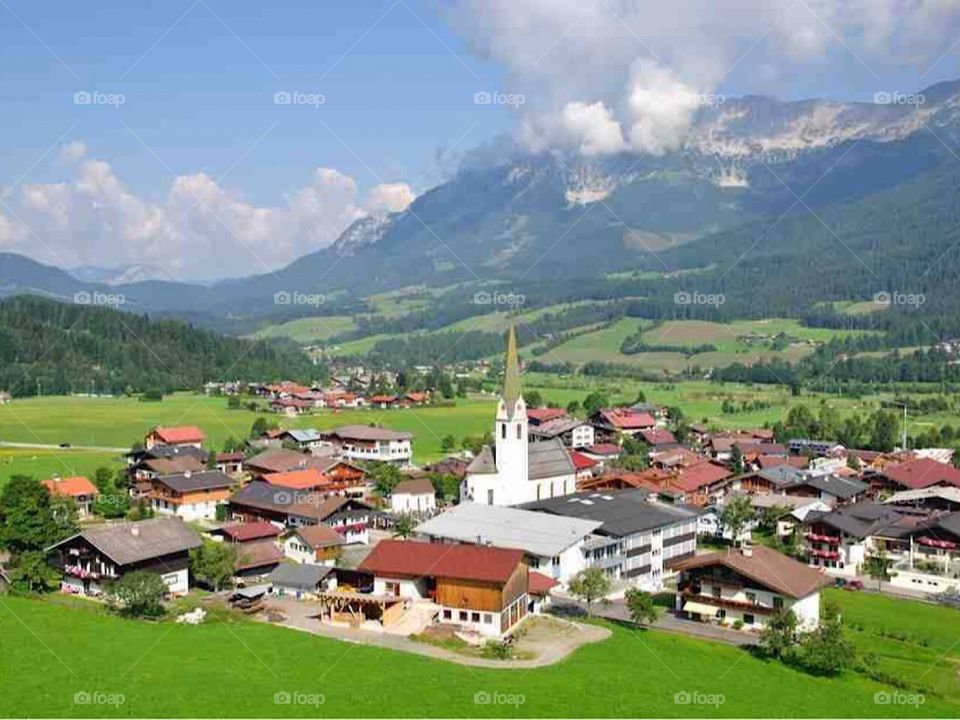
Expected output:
(238, 667)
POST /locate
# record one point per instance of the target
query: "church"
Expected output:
(515, 470)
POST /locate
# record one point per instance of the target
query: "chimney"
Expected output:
(188, 473)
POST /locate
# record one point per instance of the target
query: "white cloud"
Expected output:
(390, 197)
(586, 67)
(198, 230)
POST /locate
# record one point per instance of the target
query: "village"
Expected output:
(338, 532)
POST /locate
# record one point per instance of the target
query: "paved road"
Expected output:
(41, 446)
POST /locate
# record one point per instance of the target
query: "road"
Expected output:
(41, 446)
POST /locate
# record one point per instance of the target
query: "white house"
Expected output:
(363, 442)
(313, 545)
(749, 585)
(417, 497)
(555, 546)
(516, 471)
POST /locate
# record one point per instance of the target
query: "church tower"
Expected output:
(510, 430)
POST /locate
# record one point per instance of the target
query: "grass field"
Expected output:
(46, 463)
(52, 651)
(310, 330)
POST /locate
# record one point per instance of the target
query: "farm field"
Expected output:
(46, 463)
(55, 650)
(309, 330)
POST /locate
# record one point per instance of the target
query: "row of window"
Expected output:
(465, 616)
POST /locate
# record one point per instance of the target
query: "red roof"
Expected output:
(581, 461)
(694, 477)
(603, 449)
(242, 532)
(542, 415)
(180, 434)
(305, 479)
(768, 461)
(70, 486)
(658, 436)
(627, 419)
(540, 584)
(382, 399)
(921, 473)
(403, 558)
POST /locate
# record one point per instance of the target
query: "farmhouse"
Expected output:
(313, 544)
(190, 496)
(515, 470)
(750, 584)
(362, 442)
(230, 463)
(98, 555)
(78, 488)
(915, 474)
(482, 589)
(638, 541)
(614, 422)
(554, 545)
(414, 496)
(573, 433)
(306, 479)
(178, 436)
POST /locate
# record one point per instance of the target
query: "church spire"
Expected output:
(511, 374)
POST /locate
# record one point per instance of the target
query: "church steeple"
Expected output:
(511, 373)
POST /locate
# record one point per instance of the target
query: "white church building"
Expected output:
(514, 470)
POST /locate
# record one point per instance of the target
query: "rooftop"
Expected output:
(77, 486)
(133, 542)
(537, 533)
(404, 558)
(179, 434)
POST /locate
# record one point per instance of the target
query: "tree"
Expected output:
(103, 478)
(448, 442)
(878, 567)
(138, 594)
(213, 563)
(30, 519)
(826, 650)
(260, 426)
(533, 398)
(737, 460)
(233, 402)
(112, 502)
(385, 477)
(590, 585)
(594, 402)
(447, 486)
(31, 573)
(779, 635)
(573, 407)
(641, 606)
(884, 428)
(735, 516)
(403, 527)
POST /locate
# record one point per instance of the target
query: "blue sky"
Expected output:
(398, 78)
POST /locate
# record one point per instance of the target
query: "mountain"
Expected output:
(64, 348)
(122, 275)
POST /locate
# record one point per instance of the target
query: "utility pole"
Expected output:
(903, 432)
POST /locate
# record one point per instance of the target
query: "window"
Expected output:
(489, 497)
(518, 431)
(463, 616)
(503, 431)
(487, 619)
(715, 591)
(475, 617)
(752, 598)
(777, 603)
(747, 619)
(447, 614)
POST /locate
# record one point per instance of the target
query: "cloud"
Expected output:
(198, 230)
(593, 72)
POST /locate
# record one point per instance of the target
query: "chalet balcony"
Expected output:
(825, 554)
(829, 539)
(82, 573)
(729, 604)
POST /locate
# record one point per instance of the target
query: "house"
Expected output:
(450, 465)
(245, 532)
(482, 589)
(383, 402)
(190, 496)
(99, 555)
(658, 438)
(839, 541)
(914, 474)
(314, 544)
(638, 541)
(344, 477)
(363, 442)
(229, 463)
(601, 453)
(543, 415)
(815, 448)
(832, 489)
(554, 545)
(306, 479)
(256, 558)
(260, 500)
(291, 406)
(932, 499)
(303, 582)
(584, 466)
(77, 488)
(414, 496)
(573, 433)
(611, 423)
(143, 464)
(768, 480)
(306, 439)
(750, 585)
(177, 436)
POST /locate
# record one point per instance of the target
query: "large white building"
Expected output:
(514, 470)
(555, 546)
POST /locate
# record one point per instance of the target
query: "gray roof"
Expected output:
(506, 527)
(303, 576)
(191, 481)
(860, 520)
(304, 435)
(557, 427)
(548, 459)
(839, 487)
(781, 475)
(622, 512)
(366, 432)
(128, 543)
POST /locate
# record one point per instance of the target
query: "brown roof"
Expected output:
(181, 434)
(420, 486)
(768, 567)
(77, 486)
(403, 558)
(258, 553)
(244, 532)
(319, 536)
(365, 432)
(175, 465)
(283, 460)
(921, 473)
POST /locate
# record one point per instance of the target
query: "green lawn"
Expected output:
(51, 652)
(46, 463)
(310, 330)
